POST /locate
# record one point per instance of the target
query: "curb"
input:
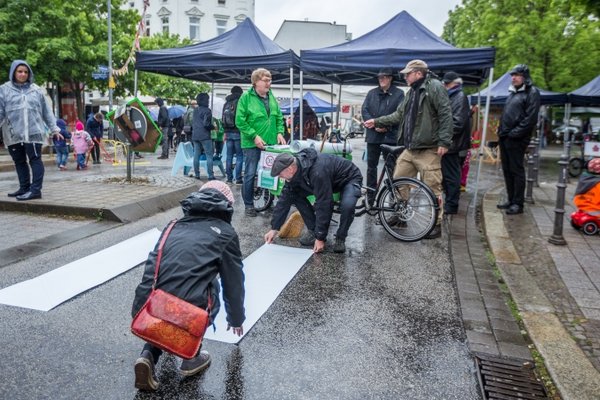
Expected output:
(573, 374)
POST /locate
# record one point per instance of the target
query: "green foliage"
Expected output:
(558, 39)
(175, 90)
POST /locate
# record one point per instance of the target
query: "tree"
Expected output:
(556, 38)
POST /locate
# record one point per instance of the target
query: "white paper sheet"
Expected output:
(268, 271)
(55, 287)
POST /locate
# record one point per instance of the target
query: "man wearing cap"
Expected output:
(425, 120)
(310, 173)
(382, 100)
(518, 120)
(461, 141)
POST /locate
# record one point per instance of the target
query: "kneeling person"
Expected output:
(311, 173)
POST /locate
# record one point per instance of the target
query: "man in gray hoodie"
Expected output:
(26, 118)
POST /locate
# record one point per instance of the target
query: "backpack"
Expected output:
(228, 117)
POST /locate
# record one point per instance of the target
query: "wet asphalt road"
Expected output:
(380, 322)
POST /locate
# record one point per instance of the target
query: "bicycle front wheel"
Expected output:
(262, 198)
(408, 209)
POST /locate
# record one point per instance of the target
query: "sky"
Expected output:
(360, 16)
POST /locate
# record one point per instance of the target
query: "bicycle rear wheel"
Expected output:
(575, 167)
(409, 210)
(262, 198)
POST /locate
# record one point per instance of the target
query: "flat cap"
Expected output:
(282, 161)
(414, 64)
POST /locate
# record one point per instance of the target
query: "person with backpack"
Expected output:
(232, 134)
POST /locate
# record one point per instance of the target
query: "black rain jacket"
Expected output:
(201, 245)
(520, 114)
(320, 175)
(461, 120)
(379, 103)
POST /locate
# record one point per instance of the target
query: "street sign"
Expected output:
(101, 72)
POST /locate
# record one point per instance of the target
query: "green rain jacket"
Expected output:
(433, 126)
(251, 119)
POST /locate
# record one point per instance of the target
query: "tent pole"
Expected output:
(483, 137)
(212, 95)
(135, 83)
(291, 127)
(339, 107)
(331, 114)
(301, 106)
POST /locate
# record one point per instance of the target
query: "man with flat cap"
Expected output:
(382, 100)
(310, 173)
(425, 119)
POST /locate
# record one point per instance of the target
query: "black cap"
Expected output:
(523, 70)
(450, 76)
(385, 72)
(282, 161)
(236, 90)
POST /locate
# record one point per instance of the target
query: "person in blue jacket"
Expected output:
(95, 127)
(61, 146)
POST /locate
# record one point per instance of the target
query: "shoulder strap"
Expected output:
(163, 239)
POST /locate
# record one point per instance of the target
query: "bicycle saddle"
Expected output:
(395, 150)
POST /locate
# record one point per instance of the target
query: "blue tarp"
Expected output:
(317, 104)
(499, 93)
(392, 45)
(228, 58)
(587, 95)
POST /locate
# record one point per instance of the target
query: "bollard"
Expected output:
(536, 162)
(559, 212)
(529, 188)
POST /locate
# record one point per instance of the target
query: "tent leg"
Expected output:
(483, 138)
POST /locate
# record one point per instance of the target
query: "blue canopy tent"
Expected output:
(393, 45)
(587, 95)
(498, 91)
(317, 104)
(227, 58)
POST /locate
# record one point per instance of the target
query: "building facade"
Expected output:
(199, 20)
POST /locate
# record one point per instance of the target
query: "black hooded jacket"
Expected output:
(320, 175)
(379, 103)
(201, 245)
(202, 119)
(520, 113)
(461, 120)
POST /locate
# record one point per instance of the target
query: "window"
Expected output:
(221, 26)
(131, 4)
(165, 25)
(221, 2)
(147, 23)
(195, 28)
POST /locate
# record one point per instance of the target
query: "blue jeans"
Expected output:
(234, 145)
(20, 153)
(62, 156)
(81, 160)
(251, 159)
(207, 145)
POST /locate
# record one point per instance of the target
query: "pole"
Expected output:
(111, 80)
(561, 187)
(483, 136)
(301, 106)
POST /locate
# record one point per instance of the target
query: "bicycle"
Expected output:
(407, 208)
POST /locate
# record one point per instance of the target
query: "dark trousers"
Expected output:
(96, 150)
(20, 153)
(348, 198)
(512, 154)
(374, 151)
(451, 169)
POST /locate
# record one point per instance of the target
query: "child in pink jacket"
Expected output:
(82, 143)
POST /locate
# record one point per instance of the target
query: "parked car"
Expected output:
(558, 133)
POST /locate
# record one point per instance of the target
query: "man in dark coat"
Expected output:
(201, 245)
(164, 123)
(311, 173)
(382, 100)
(201, 126)
(461, 140)
(518, 120)
(95, 127)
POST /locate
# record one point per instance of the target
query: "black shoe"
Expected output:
(163, 158)
(29, 196)
(514, 209)
(251, 212)
(239, 182)
(144, 372)
(503, 206)
(435, 233)
(18, 193)
(196, 364)
(451, 212)
(339, 245)
(307, 238)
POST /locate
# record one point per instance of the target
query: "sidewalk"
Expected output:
(555, 288)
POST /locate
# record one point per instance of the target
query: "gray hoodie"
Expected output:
(25, 113)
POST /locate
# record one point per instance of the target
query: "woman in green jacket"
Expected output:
(260, 122)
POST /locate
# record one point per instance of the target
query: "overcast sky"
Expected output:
(360, 16)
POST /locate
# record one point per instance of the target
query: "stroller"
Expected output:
(587, 200)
